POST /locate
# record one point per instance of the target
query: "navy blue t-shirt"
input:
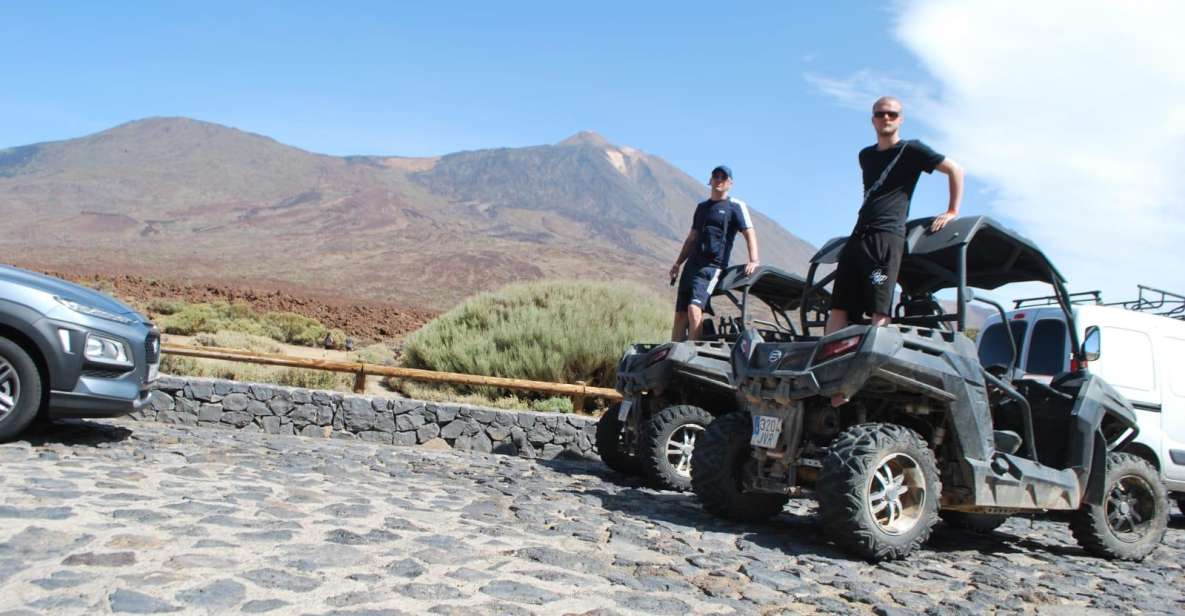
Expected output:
(888, 208)
(716, 224)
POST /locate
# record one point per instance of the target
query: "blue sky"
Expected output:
(780, 91)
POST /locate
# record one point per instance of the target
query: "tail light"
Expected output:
(659, 355)
(836, 348)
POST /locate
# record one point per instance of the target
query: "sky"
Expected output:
(1069, 117)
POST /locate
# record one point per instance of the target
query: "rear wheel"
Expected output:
(20, 390)
(974, 522)
(611, 445)
(671, 436)
(878, 491)
(717, 470)
(1133, 517)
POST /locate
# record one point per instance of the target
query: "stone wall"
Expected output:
(326, 414)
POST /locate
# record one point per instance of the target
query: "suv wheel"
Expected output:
(671, 435)
(878, 491)
(610, 444)
(974, 522)
(717, 471)
(20, 390)
(1133, 517)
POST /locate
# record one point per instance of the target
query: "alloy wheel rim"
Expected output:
(10, 388)
(680, 445)
(896, 494)
(1130, 508)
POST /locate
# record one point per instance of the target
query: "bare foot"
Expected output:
(838, 400)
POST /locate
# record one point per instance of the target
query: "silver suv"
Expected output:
(69, 351)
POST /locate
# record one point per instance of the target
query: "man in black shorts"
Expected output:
(867, 271)
(706, 251)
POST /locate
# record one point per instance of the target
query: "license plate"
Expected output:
(766, 431)
(153, 372)
(623, 412)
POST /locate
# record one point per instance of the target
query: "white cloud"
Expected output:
(1074, 114)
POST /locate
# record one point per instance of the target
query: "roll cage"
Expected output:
(970, 252)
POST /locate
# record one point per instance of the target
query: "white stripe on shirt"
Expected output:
(746, 222)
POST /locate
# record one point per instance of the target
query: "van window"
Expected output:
(1047, 348)
(1125, 359)
(993, 345)
(1174, 354)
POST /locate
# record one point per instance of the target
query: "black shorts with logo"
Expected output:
(867, 273)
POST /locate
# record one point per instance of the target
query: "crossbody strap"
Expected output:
(885, 173)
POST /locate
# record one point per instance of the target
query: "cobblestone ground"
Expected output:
(99, 517)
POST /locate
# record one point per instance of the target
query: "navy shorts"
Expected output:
(696, 286)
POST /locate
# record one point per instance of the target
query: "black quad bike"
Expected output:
(928, 431)
(672, 391)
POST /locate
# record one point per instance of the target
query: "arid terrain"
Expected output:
(183, 201)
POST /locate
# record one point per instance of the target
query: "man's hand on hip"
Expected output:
(674, 272)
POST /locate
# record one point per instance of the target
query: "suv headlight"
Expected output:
(91, 311)
(107, 350)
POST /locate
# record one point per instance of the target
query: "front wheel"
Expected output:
(717, 472)
(671, 435)
(1133, 517)
(20, 390)
(611, 446)
(878, 491)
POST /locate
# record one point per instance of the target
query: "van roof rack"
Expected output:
(1156, 301)
(1082, 297)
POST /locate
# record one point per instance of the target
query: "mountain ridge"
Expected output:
(177, 197)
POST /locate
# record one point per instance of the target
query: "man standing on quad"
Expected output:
(867, 271)
(706, 251)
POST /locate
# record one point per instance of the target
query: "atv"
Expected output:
(672, 391)
(928, 432)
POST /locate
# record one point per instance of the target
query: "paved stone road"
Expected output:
(133, 517)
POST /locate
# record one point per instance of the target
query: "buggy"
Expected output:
(928, 431)
(671, 391)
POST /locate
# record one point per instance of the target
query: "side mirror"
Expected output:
(1091, 345)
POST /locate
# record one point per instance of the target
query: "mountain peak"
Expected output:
(586, 137)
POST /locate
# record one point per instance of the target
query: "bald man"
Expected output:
(867, 270)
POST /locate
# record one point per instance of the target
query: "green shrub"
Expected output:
(287, 327)
(548, 331)
(379, 353)
(228, 339)
(165, 306)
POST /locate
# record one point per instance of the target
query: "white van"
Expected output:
(1142, 355)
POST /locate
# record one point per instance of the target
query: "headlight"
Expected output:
(93, 312)
(107, 350)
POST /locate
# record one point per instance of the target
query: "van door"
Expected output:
(1171, 356)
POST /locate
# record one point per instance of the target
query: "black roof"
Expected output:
(778, 288)
(996, 256)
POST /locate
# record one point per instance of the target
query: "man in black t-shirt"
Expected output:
(867, 270)
(706, 251)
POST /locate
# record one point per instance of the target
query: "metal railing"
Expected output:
(578, 391)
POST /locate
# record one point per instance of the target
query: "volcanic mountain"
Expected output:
(179, 199)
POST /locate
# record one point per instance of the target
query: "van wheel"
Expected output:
(20, 390)
(717, 471)
(611, 446)
(878, 492)
(1133, 517)
(671, 435)
(974, 522)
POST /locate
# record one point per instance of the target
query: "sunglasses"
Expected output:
(719, 177)
(892, 115)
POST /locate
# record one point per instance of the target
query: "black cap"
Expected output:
(723, 169)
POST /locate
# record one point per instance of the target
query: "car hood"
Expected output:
(63, 289)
